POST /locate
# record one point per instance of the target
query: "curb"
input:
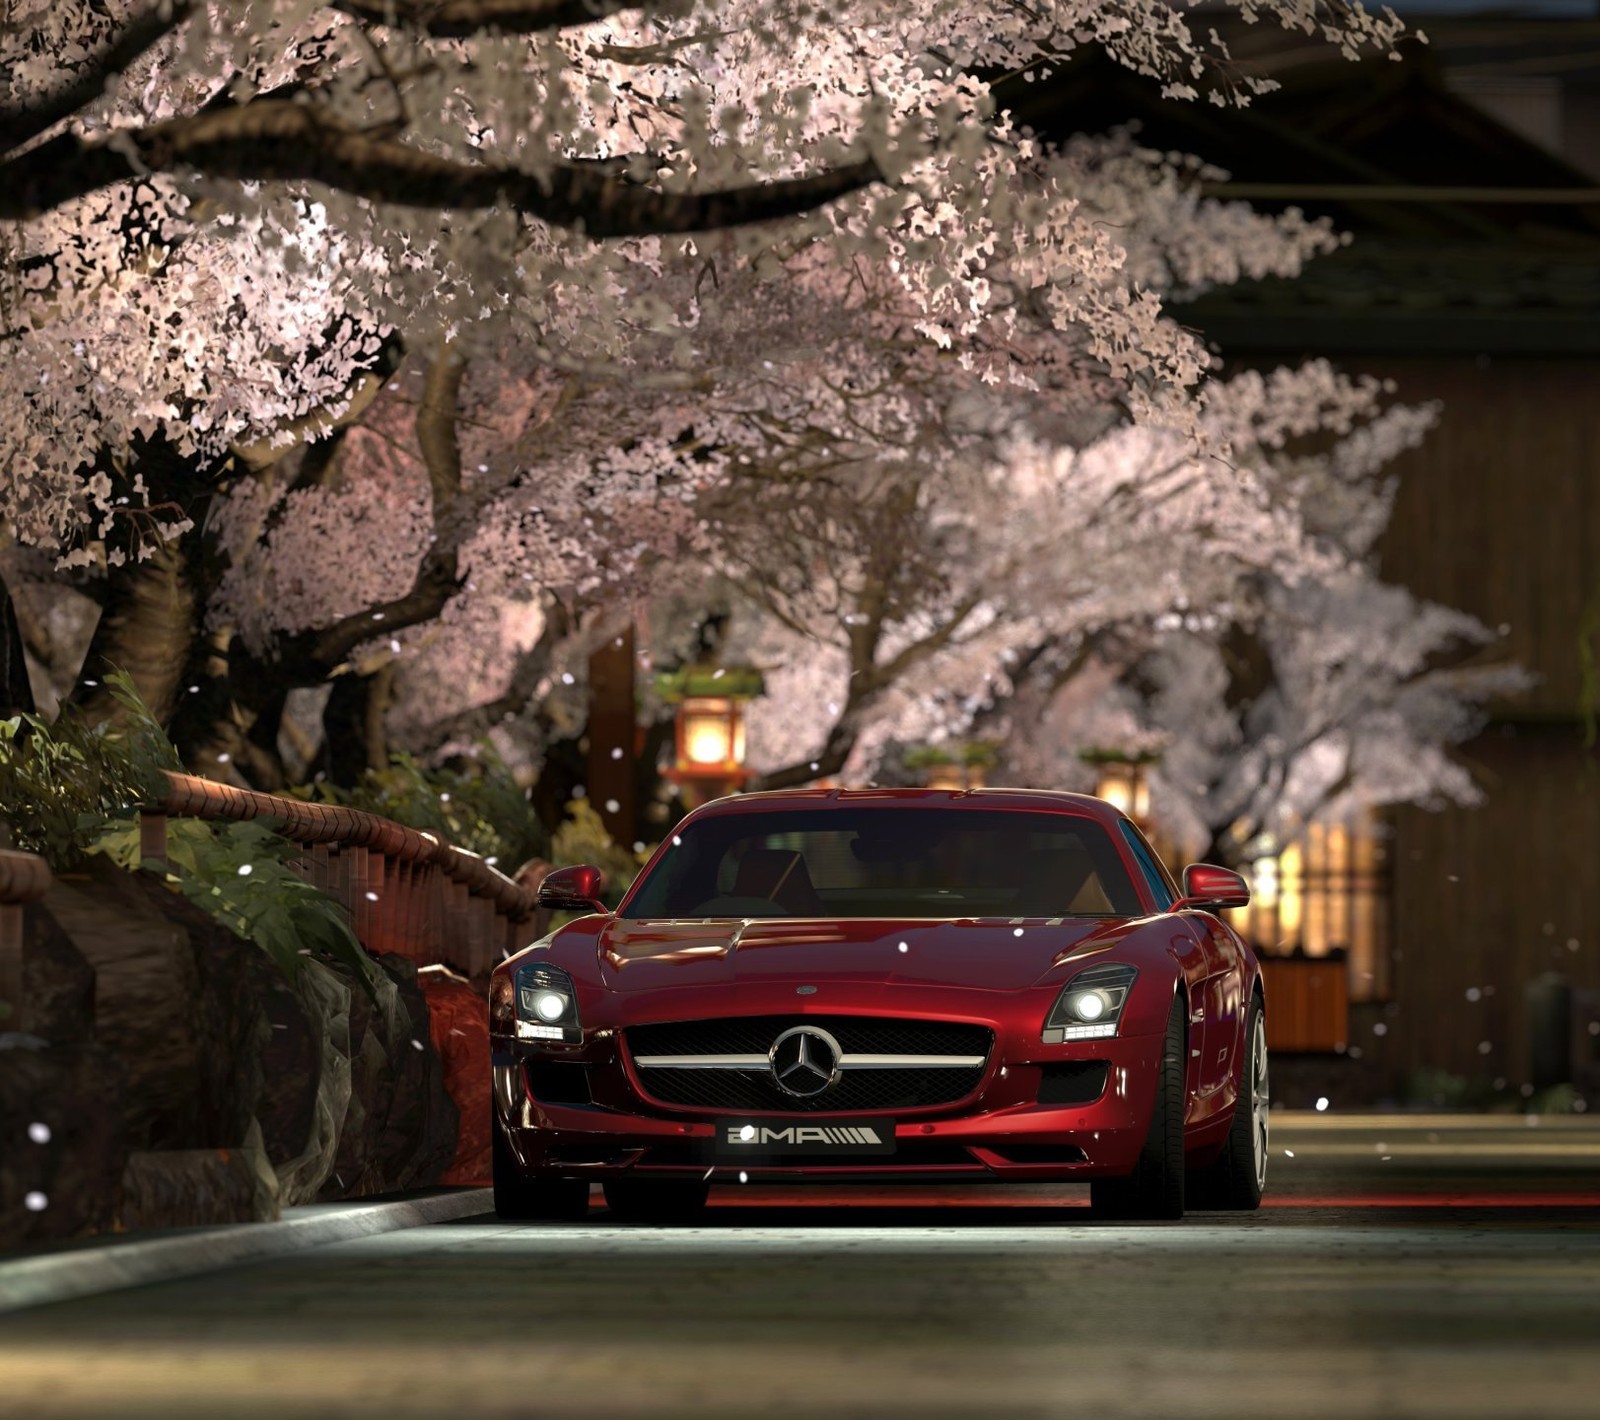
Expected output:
(87, 1271)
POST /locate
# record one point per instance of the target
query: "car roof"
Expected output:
(1020, 800)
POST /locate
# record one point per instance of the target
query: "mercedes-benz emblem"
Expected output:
(804, 1061)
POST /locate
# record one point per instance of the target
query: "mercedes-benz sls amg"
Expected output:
(885, 985)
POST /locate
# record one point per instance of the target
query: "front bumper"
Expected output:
(1000, 1132)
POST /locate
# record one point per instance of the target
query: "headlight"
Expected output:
(1090, 1005)
(546, 1004)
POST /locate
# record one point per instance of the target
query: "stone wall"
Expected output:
(175, 1076)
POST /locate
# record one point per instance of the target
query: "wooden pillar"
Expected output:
(23, 878)
(399, 891)
(153, 838)
(361, 888)
(11, 963)
(380, 915)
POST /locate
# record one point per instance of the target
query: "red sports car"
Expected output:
(885, 985)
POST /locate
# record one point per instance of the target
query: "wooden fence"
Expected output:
(1308, 1003)
(406, 892)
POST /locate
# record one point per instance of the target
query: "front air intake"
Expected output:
(1072, 1081)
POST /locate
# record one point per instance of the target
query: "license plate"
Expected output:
(784, 1138)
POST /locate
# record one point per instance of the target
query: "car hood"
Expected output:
(979, 955)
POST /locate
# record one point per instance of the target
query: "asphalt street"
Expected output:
(1416, 1267)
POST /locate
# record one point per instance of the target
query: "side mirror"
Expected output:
(1207, 886)
(573, 889)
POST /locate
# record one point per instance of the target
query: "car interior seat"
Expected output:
(1059, 882)
(780, 876)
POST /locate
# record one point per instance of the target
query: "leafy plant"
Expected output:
(241, 874)
(60, 779)
(1099, 754)
(480, 808)
(975, 754)
(582, 838)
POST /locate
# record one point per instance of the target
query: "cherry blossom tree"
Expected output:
(467, 157)
(261, 255)
(1235, 628)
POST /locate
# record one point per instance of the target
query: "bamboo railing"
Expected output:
(23, 879)
(405, 891)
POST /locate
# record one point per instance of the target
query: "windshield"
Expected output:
(888, 862)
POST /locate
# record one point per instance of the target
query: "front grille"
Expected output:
(753, 1091)
(1072, 1081)
(749, 1091)
(857, 1035)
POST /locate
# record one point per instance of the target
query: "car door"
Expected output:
(1223, 1005)
(1191, 949)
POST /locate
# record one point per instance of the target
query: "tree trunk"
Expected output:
(16, 691)
(149, 628)
(353, 739)
(228, 728)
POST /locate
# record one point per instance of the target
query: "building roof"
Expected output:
(1468, 237)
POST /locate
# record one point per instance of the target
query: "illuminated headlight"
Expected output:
(546, 1004)
(1090, 1005)
(550, 1006)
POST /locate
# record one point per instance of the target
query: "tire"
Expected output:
(1155, 1187)
(1236, 1181)
(634, 1200)
(520, 1199)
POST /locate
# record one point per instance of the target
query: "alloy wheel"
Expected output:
(1259, 1100)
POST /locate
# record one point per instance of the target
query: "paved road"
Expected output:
(1439, 1267)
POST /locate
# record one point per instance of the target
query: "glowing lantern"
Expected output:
(711, 735)
(1122, 782)
(710, 743)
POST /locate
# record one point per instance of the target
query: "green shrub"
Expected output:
(240, 874)
(71, 788)
(479, 808)
(582, 838)
(60, 779)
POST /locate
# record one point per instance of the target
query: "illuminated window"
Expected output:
(1325, 894)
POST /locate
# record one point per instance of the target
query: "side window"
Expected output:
(1148, 866)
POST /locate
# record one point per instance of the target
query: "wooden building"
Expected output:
(1488, 301)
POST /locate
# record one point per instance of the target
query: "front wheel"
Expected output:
(635, 1200)
(520, 1199)
(1155, 1187)
(1236, 1181)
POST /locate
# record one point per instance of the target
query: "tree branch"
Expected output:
(437, 578)
(461, 19)
(436, 432)
(283, 141)
(828, 761)
(532, 667)
(262, 454)
(20, 122)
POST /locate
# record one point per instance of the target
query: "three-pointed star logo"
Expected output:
(804, 1061)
